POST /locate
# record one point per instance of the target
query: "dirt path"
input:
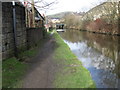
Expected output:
(42, 68)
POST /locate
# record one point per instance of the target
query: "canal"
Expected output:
(99, 53)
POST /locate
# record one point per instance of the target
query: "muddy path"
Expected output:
(42, 68)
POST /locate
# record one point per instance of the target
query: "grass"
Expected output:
(72, 74)
(12, 72)
(28, 54)
(33, 50)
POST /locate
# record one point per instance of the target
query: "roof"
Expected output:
(38, 15)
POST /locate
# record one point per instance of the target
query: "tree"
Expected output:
(40, 5)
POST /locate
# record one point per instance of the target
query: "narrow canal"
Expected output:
(99, 53)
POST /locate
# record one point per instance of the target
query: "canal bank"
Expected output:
(55, 66)
(52, 66)
(100, 54)
(71, 74)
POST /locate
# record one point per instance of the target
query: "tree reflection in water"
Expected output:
(99, 53)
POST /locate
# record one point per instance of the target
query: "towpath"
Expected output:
(41, 73)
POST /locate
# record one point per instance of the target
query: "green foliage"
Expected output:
(73, 74)
(12, 72)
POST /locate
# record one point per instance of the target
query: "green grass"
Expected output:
(12, 72)
(72, 74)
(27, 54)
(32, 51)
(68, 77)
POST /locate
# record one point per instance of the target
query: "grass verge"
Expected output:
(72, 73)
(27, 54)
(12, 72)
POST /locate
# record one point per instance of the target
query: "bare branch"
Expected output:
(39, 1)
(45, 4)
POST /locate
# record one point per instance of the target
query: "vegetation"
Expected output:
(12, 72)
(33, 49)
(72, 20)
(101, 19)
(27, 54)
(72, 73)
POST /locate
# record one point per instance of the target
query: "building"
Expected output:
(39, 19)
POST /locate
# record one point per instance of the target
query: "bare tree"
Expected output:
(42, 4)
(39, 5)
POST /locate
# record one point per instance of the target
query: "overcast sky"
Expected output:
(69, 5)
(73, 5)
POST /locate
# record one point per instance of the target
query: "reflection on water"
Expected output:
(100, 54)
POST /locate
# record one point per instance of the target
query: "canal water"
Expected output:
(99, 53)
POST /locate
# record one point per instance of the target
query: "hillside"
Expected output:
(59, 15)
(62, 14)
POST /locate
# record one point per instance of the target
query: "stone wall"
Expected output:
(7, 29)
(0, 30)
(25, 37)
(34, 36)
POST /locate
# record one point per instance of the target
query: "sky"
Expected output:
(72, 5)
(68, 5)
